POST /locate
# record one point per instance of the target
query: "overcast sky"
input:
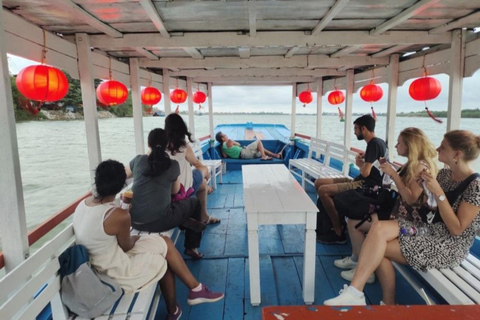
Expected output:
(278, 99)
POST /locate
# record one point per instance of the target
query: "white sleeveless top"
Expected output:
(144, 264)
(186, 176)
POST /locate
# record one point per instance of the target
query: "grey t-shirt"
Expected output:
(151, 195)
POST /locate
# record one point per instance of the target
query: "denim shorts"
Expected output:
(197, 180)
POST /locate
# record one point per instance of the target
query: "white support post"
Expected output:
(137, 107)
(89, 100)
(210, 110)
(457, 54)
(191, 121)
(294, 110)
(13, 226)
(319, 107)
(166, 92)
(392, 104)
(348, 109)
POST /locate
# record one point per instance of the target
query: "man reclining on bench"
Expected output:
(233, 149)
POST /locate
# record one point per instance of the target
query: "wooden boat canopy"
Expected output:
(255, 42)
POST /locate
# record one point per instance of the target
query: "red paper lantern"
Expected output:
(305, 97)
(112, 93)
(425, 88)
(42, 83)
(336, 97)
(371, 93)
(151, 96)
(178, 96)
(199, 97)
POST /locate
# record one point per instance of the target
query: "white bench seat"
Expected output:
(312, 166)
(215, 166)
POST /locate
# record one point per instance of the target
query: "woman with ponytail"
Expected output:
(155, 181)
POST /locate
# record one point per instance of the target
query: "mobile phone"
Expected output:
(382, 160)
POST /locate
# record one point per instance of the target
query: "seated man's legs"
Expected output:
(326, 193)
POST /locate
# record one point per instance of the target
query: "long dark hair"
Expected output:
(176, 130)
(158, 160)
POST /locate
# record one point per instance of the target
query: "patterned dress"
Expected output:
(440, 249)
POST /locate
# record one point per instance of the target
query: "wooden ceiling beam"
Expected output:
(146, 53)
(403, 16)
(252, 18)
(194, 53)
(87, 17)
(255, 80)
(459, 23)
(263, 62)
(273, 39)
(251, 72)
(152, 13)
(389, 51)
(291, 52)
(332, 13)
(345, 51)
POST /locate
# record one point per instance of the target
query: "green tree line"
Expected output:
(73, 98)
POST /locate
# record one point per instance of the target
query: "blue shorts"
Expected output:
(197, 180)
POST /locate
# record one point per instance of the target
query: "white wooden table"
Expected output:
(273, 196)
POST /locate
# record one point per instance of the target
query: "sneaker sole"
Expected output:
(344, 267)
(203, 300)
(369, 280)
(333, 242)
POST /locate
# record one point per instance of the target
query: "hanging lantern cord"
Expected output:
(110, 68)
(44, 57)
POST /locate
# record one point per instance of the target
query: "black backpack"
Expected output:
(324, 225)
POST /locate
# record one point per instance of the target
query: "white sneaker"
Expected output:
(345, 263)
(348, 275)
(346, 298)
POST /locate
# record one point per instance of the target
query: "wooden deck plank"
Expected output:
(213, 273)
(323, 290)
(292, 237)
(268, 292)
(289, 288)
(235, 289)
(269, 240)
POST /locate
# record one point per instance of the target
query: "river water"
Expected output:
(54, 159)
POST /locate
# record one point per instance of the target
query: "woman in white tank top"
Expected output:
(133, 261)
(180, 150)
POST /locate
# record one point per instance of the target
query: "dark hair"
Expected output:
(218, 137)
(366, 121)
(158, 160)
(110, 178)
(464, 141)
(176, 130)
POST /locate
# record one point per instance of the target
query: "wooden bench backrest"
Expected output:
(335, 151)
(317, 146)
(37, 273)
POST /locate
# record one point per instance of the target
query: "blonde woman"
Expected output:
(446, 244)
(420, 152)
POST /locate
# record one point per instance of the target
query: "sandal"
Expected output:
(212, 220)
(192, 254)
(210, 189)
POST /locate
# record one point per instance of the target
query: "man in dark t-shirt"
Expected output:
(327, 189)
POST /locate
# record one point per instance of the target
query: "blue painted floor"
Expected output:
(225, 265)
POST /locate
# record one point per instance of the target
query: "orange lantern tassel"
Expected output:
(374, 115)
(177, 110)
(432, 116)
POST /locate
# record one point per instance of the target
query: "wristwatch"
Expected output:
(441, 198)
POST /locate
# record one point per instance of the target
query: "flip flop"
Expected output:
(192, 254)
(266, 158)
(210, 190)
(212, 220)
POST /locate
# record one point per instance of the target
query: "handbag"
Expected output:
(359, 204)
(84, 291)
(432, 215)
